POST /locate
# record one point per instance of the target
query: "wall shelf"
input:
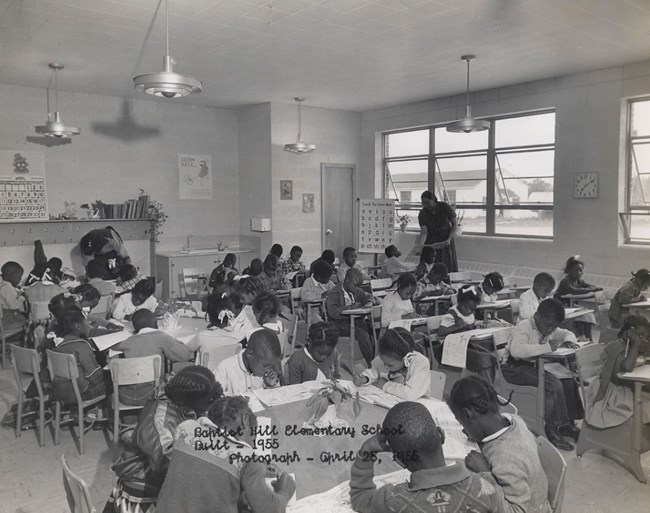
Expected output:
(64, 231)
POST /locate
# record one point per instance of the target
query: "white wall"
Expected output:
(336, 134)
(113, 158)
(589, 109)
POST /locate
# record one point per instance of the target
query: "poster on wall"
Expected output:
(376, 222)
(21, 163)
(195, 177)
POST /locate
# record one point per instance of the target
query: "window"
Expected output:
(636, 219)
(500, 180)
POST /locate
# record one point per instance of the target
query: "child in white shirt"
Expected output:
(140, 297)
(317, 286)
(393, 264)
(397, 305)
(543, 285)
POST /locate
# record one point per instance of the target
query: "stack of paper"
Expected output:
(288, 394)
(104, 342)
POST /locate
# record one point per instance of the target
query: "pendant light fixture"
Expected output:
(167, 84)
(54, 126)
(299, 146)
(468, 124)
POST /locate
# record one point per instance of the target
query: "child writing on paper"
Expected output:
(611, 399)
(258, 366)
(140, 297)
(491, 284)
(530, 339)
(293, 264)
(573, 284)
(319, 359)
(397, 304)
(247, 289)
(508, 448)
(213, 469)
(631, 292)
(272, 277)
(417, 445)
(223, 274)
(434, 283)
(398, 369)
(317, 286)
(266, 308)
(543, 285)
(426, 263)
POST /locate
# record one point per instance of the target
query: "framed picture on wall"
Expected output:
(308, 203)
(286, 189)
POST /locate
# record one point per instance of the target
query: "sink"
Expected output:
(212, 251)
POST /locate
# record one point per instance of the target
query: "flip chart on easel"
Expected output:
(376, 224)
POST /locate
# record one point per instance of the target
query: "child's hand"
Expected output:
(569, 344)
(380, 382)
(554, 344)
(360, 380)
(476, 462)
(374, 444)
(270, 379)
(284, 485)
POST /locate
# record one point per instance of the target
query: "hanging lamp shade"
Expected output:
(54, 127)
(299, 146)
(167, 83)
(468, 124)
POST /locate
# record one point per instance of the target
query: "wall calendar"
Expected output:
(22, 198)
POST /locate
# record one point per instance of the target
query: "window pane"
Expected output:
(407, 143)
(525, 130)
(447, 142)
(464, 178)
(640, 118)
(524, 178)
(640, 228)
(471, 220)
(531, 223)
(413, 218)
(407, 177)
(640, 174)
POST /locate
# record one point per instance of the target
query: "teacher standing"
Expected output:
(438, 225)
(105, 245)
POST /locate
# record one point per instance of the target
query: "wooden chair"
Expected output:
(5, 334)
(131, 371)
(380, 285)
(26, 368)
(194, 282)
(76, 490)
(528, 400)
(433, 324)
(295, 300)
(615, 443)
(437, 384)
(210, 359)
(507, 408)
(103, 308)
(159, 291)
(64, 366)
(375, 318)
(290, 323)
(555, 469)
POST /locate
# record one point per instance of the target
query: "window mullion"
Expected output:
(431, 173)
(490, 214)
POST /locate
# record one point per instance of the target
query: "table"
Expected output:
(353, 314)
(641, 435)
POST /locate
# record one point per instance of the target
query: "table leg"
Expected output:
(352, 341)
(541, 394)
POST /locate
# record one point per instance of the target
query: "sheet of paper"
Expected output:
(454, 350)
(401, 323)
(104, 342)
(371, 394)
(186, 339)
(113, 354)
(641, 373)
(288, 394)
(357, 311)
(254, 402)
(563, 351)
(456, 445)
(292, 501)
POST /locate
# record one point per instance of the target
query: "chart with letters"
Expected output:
(22, 198)
(376, 224)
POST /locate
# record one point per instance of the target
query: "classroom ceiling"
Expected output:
(347, 54)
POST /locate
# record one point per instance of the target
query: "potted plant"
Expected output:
(156, 216)
(403, 221)
(325, 404)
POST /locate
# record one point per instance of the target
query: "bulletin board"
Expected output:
(22, 198)
(376, 224)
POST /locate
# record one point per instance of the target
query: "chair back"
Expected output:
(380, 284)
(295, 299)
(159, 291)
(514, 310)
(210, 359)
(104, 305)
(132, 371)
(62, 365)
(25, 360)
(509, 281)
(555, 468)
(76, 490)
(437, 384)
(589, 363)
(433, 324)
(460, 277)
(194, 281)
(39, 311)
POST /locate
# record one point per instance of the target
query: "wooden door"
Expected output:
(337, 207)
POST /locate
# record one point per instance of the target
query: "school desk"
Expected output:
(353, 315)
(436, 300)
(641, 433)
(641, 308)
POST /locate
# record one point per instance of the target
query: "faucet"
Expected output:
(188, 247)
(219, 246)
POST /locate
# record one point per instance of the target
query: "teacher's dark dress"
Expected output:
(439, 223)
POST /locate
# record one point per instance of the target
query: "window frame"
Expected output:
(491, 154)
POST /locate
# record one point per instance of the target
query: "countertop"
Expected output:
(177, 253)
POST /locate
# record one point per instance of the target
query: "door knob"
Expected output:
(328, 232)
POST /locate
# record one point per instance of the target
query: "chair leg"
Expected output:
(57, 422)
(116, 429)
(41, 421)
(4, 352)
(19, 413)
(80, 414)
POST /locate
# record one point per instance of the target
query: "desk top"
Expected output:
(431, 299)
(640, 304)
(356, 311)
(495, 305)
(573, 313)
(641, 373)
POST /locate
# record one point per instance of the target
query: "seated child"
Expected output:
(572, 283)
(417, 445)
(95, 273)
(543, 285)
(317, 286)
(397, 304)
(39, 291)
(631, 292)
(508, 448)
(272, 277)
(398, 369)
(206, 473)
(434, 283)
(255, 268)
(426, 262)
(610, 399)
(140, 297)
(491, 284)
(277, 250)
(148, 340)
(223, 274)
(12, 302)
(127, 277)
(393, 265)
(247, 289)
(349, 262)
(319, 359)
(219, 338)
(532, 338)
(348, 295)
(266, 308)
(74, 329)
(293, 263)
(258, 366)
(326, 256)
